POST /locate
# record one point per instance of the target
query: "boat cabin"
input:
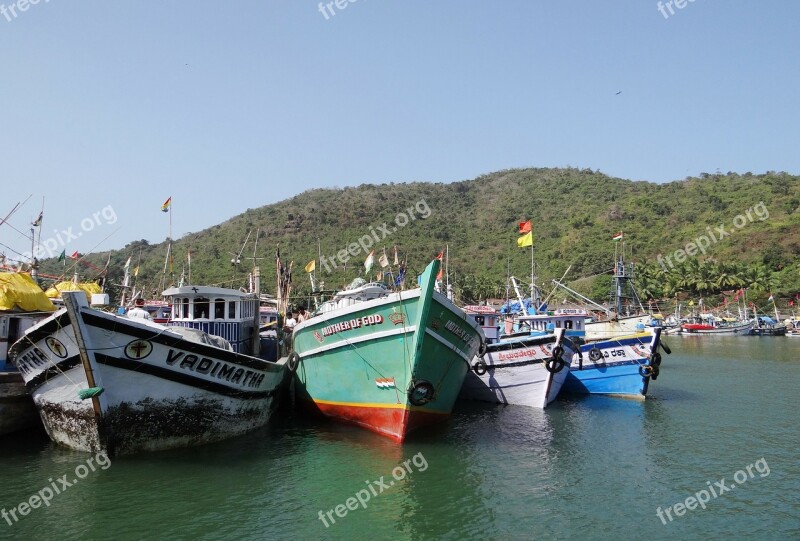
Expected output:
(488, 318)
(571, 319)
(228, 313)
(358, 291)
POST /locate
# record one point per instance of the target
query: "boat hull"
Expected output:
(159, 391)
(700, 329)
(17, 411)
(515, 372)
(389, 365)
(618, 371)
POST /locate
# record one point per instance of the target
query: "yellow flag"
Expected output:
(311, 265)
(525, 240)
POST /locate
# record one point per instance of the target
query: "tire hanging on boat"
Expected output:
(480, 367)
(655, 359)
(293, 362)
(421, 392)
(482, 348)
(595, 355)
(555, 363)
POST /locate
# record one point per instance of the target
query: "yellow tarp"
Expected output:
(19, 291)
(86, 287)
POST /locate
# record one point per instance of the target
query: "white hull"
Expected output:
(603, 330)
(517, 375)
(160, 391)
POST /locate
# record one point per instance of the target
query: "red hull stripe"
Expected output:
(394, 423)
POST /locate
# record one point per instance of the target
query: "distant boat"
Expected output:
(766, 326)
(22, 304)
(707, 324)
(387, 361)
(105, 382)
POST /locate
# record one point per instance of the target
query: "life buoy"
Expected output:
(293, 362)
(421, 392)
(645, 370)
(480, 367)
(595, 355)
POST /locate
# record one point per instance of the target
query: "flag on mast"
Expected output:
(525, 240)
(618, 236)
(167, 204)
(38, 221)
(311, 266)
(383, 260)
(525, 227)
(369, 261)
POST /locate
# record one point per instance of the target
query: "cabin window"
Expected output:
(185, 313)
(201, 308)
(568, 324)
(231, 309)
(578, 325)
(479, 320)
(558, 324)
(219, 309)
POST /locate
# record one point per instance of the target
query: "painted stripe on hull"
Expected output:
(358, 340)
(184, 379)
(393, 422)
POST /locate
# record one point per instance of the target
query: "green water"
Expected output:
(593, 468)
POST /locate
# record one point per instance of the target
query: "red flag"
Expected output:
(74, 255)
(525, 227)
(439, 257)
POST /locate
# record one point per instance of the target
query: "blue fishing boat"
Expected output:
(622, 365)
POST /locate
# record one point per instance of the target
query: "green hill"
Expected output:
(574, 214)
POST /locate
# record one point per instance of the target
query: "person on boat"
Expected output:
(138, 310)
(290, 322)
(302, 315)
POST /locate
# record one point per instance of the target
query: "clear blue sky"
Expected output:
(227, 106)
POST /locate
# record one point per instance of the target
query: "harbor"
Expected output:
(399, 271)
(498, 472)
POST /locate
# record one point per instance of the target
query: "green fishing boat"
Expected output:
(387, 361)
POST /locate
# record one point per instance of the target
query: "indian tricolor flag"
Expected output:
(385, 383)
(618, 236)
(166, 205)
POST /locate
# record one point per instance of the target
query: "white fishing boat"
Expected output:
(522, 370)
(105, 382)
